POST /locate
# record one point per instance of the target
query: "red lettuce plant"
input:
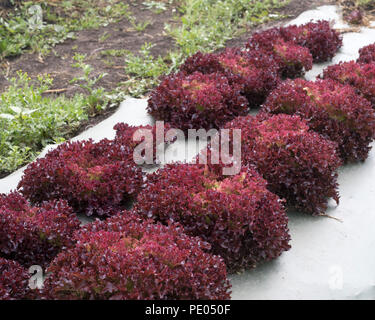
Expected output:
(319, 37)
(125, 257)
(95, 178)
(255, 71)
(244, 222)
(367, 54)
(197, 101)
(332, 109)
(299, 165)
(293, 60)
(14, 280)
(34, 235)
(354, 17)
(125, 134)
(360, 76)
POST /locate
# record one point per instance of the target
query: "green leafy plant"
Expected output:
(207, 25)
(29, 120)
(155, 6)
(25, 29)
(104, 36)
(114, 52)
(139, 26)
(144, 70)
(96, 95)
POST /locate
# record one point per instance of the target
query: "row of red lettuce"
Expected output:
(190, 225)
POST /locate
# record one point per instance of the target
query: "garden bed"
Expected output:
(92, 50)
(329, 257)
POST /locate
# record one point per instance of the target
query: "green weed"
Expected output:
(155, 6)
(30, 120)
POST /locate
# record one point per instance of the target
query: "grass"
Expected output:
(204, 25)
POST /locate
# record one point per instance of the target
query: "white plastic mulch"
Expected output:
(329, 259)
